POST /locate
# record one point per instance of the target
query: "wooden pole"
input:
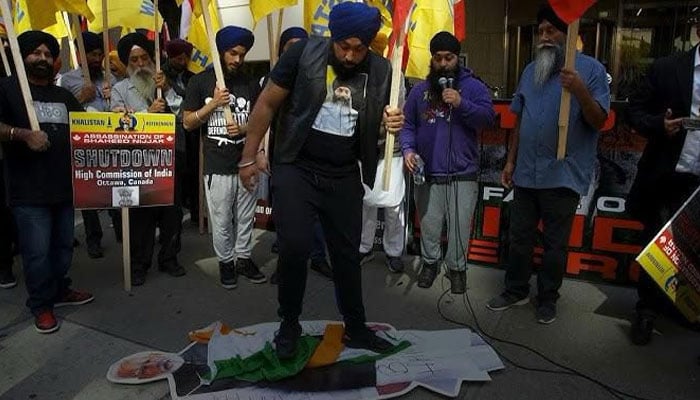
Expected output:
(5, 60)
(396, 64)
(202, 206)
(565, 104)
(81, 49)
(272, 41)
(105, 46)
(126, 249)
(280, 19)
(156, 29)
(71, 36)
(216, 60)
(19, 66)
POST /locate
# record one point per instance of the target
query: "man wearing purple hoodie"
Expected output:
(443, 114)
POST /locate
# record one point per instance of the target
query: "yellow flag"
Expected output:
(261, 8)
(46, 15)
(201, 55)
(130, 14)
(316, 14)
(429, 17)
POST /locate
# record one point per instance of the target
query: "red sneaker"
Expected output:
(74, 298)
(46, 322)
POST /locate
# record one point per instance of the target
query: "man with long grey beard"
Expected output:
(137, 93)
(545, 188)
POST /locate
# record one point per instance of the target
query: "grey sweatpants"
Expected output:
(230, 204)
(453, 203)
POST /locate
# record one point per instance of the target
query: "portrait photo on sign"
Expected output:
(144, 367)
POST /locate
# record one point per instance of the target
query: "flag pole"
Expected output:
(396, 64)
(5, 61)
(216, 60)
(71, 36)
(108, 72)
(81, 48)
(19, 66)
(159, 91)
(565, 104)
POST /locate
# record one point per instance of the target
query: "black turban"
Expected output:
(30, 40)
(547, 13)
(129, 41)
(444, 41)
(348, 20)
(92, 41)
(232, 36)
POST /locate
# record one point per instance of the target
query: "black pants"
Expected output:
(299, 195)
(7, 227)
(678, 189)
(93, 228)
(191, 177)
(556, 208)
(142, 227)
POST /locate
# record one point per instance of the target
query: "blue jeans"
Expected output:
(45, 236)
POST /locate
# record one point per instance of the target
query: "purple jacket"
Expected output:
(426, 130)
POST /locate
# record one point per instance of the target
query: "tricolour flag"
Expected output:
(129, 14)
(571, 10)
(261, 8)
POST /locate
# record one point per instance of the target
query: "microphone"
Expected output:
(450, 82)
(443, 82)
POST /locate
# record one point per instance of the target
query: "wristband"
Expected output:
(12, 134)
(246, 164)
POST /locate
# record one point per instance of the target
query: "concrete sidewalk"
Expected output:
(589, 335)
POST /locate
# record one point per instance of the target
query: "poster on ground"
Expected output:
(673, 258)
(122, 160)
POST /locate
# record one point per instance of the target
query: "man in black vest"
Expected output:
(330, 117)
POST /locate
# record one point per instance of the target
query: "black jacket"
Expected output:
(302, 105)
(668, 85)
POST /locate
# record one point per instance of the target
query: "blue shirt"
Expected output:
(537, 106)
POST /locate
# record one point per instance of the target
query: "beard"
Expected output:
(40, 69)
(548, 60)
(95, 72)
(345, 72)
(433, 79)
(143, 81)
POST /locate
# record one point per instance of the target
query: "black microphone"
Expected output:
(443, 82)
(450, 83)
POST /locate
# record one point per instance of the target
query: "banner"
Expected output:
(23, 22)
(41, 14)
(673, 258)
(122, 160)
(129, 14)
(261, 8)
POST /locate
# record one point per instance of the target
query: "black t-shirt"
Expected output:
(331, 147)
(38, 178)
(221, 152)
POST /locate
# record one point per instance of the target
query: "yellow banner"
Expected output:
(131, 14)
(429, 17)
(261, 8)
(24, 22)
(101, 122)
(201, 55)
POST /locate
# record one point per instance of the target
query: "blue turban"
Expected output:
(232, 36)
(349, 19)
(291, 33)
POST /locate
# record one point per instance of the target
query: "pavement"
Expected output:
(589, 335)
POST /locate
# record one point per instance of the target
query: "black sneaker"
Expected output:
(138, 277)
(505, 301)
(323, 268)
(458, 281)
(642, 328)
(286, 339)
(395, 264)
(95, 251)
(247, 268)
(427, 275)
(7, 279)
(365, 338)
(546, 313)
(228, 275)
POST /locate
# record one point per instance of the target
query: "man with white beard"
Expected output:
(137, 93)
(545, 188)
